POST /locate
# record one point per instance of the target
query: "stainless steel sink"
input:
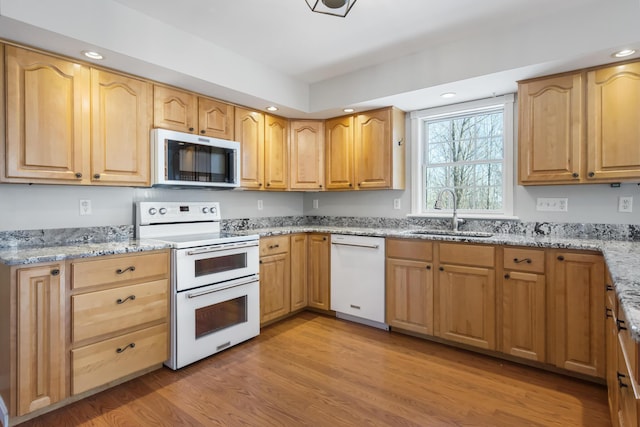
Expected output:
(457, 233)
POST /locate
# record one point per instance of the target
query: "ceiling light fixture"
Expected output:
(624, 52)
(448, 95)
(92, 54)
(272, 108)
(348, 110)
(331, 7)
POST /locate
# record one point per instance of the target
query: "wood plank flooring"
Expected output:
(319, 371)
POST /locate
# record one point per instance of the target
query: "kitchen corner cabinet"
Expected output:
(275, 285)
(69, 124)
(307, 155)
(338, 156)
(523, 294)
(550, 130)
(33, 370)
(298, 245)
(379, 149)
(318, 270)
(409, 285)
(466, 289)
(577, 298)
(184, 111)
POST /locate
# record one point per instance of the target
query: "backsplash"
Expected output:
(70, 236)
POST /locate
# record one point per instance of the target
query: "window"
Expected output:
(466, 148)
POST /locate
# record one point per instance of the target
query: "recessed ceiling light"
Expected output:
(348, 110)
(624, 52)
(272, 108)
(92, 54)
(448, 95)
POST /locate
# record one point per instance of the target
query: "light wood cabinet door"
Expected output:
(577, 328)
(338, 142)
(550, 129)
(373, 149)
(318, 269)
(466, 305)
(523, 315)
(409, 295)
(121, 109)
(611, 349)
(47, 119)
(307, 155)
(41, 338)
(249, 132)
(613, 136)
(174, 109)
(276, 153)
(215, 118)
(275, 287)
(298, 271)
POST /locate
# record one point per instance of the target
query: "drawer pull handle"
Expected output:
(619, 324)
(274, 246)
(518, 261)
(357, 307)
(620, 377)
(122, 349)
(121, 271)
(609, 287)
(608, 313)
(122, 301)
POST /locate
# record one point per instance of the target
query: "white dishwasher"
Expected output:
(357, 279)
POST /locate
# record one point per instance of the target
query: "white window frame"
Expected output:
(418, 118)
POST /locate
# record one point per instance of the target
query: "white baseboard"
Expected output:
(4, 414)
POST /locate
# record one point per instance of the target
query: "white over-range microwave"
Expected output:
(186, 160)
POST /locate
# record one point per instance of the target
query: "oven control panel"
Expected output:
(177, 212)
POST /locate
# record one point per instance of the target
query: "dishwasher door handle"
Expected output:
(356, 245)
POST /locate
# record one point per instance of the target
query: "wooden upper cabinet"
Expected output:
(276, 153)
(121, 121)
(307, 155)
(550, 129)
(613, 136)
(338, 142)
(215, 118)
(249, 132)
(379, 149)
(174, 109)
(47, 121)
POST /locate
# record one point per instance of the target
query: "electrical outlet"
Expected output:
(315, 203)
(552, 204)
(85, 207)
(396, 203)
(625, 204)
(260, 205)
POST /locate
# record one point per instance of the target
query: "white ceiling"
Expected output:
(400, 52)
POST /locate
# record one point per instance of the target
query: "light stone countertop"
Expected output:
(622, 257)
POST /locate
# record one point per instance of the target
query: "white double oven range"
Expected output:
(215, 295)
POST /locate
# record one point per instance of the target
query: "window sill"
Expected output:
(465, 216)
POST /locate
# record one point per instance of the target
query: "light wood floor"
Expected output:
(319, 371)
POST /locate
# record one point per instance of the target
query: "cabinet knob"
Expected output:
(441, 268)
(259, 184)
(560, 258)
(620, 378)
(96, 176)
(591, 174)
(260, 261)
(320, 186)
(203, 131)
(506, 276)
(608, 287)
(350, 185)
(191, 129)
(268, 184)
(428, 267)
(575, 175)
(324, 238)
(55, 272)
(78, 175)
(620, 325)
(608, 313)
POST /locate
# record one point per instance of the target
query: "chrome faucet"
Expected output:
(455, 221)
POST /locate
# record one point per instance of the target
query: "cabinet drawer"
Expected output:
(524, 260)
(104, 312)
(466, 254)
(274, 245)
(112, 270)
(109, 360)
(413, 249)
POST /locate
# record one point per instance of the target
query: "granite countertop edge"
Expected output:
(621, 256)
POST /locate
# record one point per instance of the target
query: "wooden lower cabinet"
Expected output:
(318, 269)
(576, 303)
(298, 245)
(409, 285)
(275, 287)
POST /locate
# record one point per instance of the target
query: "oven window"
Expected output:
(220, 264)
(219, 316)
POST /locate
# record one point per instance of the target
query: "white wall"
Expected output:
(28, 207)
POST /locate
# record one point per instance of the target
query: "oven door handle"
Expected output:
(210, 291)
(223, 247)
